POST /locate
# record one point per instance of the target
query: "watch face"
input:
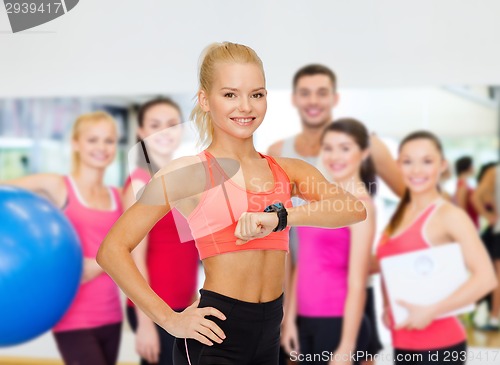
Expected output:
(276, 207)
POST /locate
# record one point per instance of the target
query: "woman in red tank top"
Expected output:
(167, 260)
(90, 330)
(422, 220)
(237, 203)
(463, 194)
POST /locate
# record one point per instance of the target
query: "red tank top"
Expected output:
(214, 219)
(469, 207)
(440, 333)
(172, 263)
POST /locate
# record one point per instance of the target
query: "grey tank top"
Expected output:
(288, 150)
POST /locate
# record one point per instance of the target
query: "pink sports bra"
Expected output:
(214, 220)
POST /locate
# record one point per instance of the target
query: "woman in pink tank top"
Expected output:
(326, 313)
(422, 220)
(237, 203)
(167, 257)
(90, 330)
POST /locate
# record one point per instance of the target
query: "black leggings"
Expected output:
(96, 346)
(453, 355)
(320, 336)
(252, 334)
(374, 345)
(166, 339)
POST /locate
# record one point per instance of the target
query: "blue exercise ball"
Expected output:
(40, 265)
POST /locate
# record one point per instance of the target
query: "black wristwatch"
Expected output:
(280, 209)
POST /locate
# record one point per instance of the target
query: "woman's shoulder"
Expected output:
(181, 178)
(461, 183)
(293, 165)
(452, 222)
(53, 186)
(140, 173)
(449, 214)
(289, 160)
(181, 164)
(52, 178)
(137, 179)
(49, 182)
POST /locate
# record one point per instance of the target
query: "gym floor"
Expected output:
(490, 339)
(483, 345)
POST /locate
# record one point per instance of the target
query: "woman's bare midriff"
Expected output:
(255, 276)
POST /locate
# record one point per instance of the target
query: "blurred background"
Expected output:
(401, 66)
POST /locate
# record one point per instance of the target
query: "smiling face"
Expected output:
(314, 97)
(237, 99)
(95, 144)
(421, 165)
(161, 129)
(341, 155)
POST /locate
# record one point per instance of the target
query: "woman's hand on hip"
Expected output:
(191, 323)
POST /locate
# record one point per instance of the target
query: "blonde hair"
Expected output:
(82, 122)
(212, 55)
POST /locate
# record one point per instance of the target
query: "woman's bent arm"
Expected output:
(50, 186)
(329, 205)
(482, 276)
(362, 236)
(114, 256)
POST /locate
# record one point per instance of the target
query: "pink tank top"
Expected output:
(214, 219)
(323, 266)
(97, 302)
(440, 333)
(172, 264)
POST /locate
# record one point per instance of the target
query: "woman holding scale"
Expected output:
(429, 334)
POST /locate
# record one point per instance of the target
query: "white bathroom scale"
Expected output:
(424, 277)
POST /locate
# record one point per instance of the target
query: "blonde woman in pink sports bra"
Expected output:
(237, 203)
(90, 330)
(422, 220)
